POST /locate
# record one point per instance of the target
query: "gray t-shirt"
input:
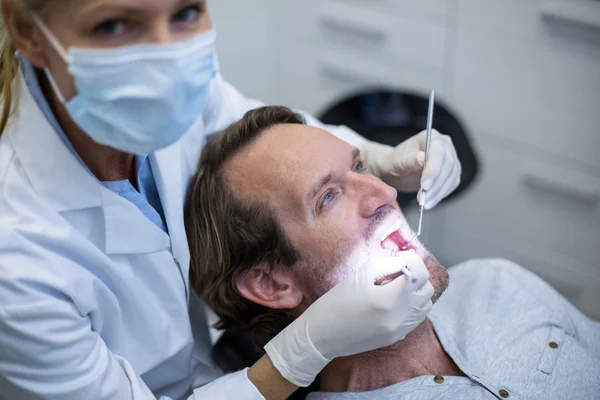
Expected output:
(513, 336)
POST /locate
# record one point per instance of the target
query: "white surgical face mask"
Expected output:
(140, 98)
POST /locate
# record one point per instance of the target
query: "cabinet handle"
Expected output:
(369, 33)
(343, 75)
(583, 195)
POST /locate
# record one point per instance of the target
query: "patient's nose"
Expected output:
(372, 193)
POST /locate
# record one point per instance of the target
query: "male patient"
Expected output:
(279, 212)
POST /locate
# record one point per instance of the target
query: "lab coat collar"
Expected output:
(54, 172)
(127, 229)
(62, 182)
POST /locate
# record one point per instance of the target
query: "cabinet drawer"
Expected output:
(313, 77)
(432, 10)
(547, 208)
(515, 18)
(366, 32)
(530, 94)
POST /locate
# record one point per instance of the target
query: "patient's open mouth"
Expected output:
(393, 239)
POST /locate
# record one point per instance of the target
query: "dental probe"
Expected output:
(408, 274)
(427, 142)
(406, 271)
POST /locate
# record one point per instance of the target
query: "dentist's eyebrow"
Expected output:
(121, 10)
(326, 179)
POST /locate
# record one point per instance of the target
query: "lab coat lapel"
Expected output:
(170, 170)
(127, 229)
(64, 184)
(55, 174)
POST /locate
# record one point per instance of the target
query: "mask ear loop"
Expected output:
(59, 49)
(51, 38)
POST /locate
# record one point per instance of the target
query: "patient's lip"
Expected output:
(392, 228)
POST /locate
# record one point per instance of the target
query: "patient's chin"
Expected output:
(438, 276)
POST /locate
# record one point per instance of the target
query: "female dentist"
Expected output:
(106, 105)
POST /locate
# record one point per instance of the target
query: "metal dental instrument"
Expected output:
(405, 270)
(427, 142)
(408, 274)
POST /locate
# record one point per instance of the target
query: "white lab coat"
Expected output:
(95, 301)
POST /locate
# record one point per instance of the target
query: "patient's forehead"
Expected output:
(283, 163)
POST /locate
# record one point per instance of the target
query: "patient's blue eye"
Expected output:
(359, 167)
(325, 200)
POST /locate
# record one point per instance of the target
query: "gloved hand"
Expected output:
(402, 166)
(353, 317)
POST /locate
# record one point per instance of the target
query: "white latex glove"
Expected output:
(353, 317)
(402, 166)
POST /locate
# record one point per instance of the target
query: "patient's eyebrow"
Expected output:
(355, 155)
(317, 188)
(326, 179)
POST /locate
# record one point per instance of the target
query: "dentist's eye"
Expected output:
(111, 28)
(359, 167)
(188, 14)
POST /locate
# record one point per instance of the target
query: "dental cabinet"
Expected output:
(522, 76)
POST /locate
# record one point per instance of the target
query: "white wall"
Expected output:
(243, 44)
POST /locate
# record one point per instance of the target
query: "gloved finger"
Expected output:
(435, 137)
(435, 165)
(453, 149)
(382, 266)
(403, 165)
(423, 311)
(449, 186)
(418, 270)
(446, 173)
(433, 198)
(423, 295)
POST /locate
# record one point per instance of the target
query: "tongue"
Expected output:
(389, 244)
(396, 237)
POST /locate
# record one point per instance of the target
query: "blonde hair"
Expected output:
(9, 65)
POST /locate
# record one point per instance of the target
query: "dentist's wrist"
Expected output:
(294, 355)
(268, 380)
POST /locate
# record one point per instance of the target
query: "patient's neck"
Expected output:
(420, 353)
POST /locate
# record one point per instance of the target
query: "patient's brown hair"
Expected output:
(228, 235)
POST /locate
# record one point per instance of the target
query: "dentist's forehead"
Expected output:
(91, 7)
(283, 163)
(126, 3)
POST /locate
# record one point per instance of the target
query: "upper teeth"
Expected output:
(395, 226)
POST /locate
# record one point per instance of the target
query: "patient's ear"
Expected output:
(269, 287)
